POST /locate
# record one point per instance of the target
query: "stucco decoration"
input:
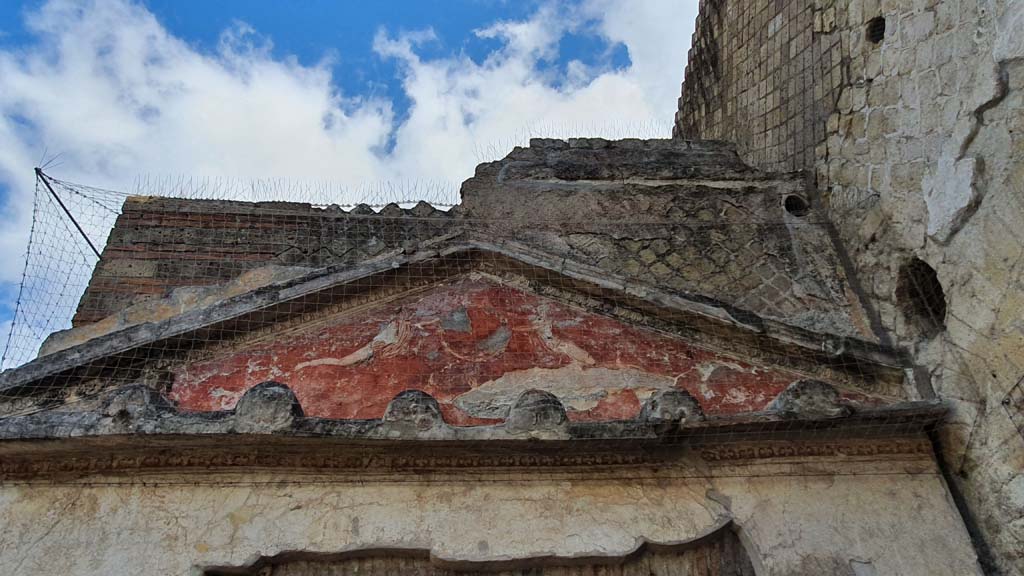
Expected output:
(268, 406)
(808, 399)
(476, 345)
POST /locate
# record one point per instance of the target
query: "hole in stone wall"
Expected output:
(876, 29)
(796, 205)
(921, 298)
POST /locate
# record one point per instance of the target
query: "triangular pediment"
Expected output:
(502, 357)
(475, 343)
(473, 325)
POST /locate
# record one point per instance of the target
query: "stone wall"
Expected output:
(784, 509)
(683, 216)
(760, 74)
(917, 134)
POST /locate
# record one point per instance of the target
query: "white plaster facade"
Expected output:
(862, 516)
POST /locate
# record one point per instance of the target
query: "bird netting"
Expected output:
(208, 290)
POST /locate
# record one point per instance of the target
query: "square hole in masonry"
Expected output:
(875, 30)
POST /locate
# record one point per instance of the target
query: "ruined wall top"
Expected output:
(680, 215)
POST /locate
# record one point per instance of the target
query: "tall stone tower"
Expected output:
(908, 120)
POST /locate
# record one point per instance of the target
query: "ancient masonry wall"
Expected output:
(643, 210)
(907, 114)
(759, 76)
(159, 244)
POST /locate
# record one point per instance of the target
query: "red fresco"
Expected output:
(458, 336)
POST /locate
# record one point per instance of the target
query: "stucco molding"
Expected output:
(356, 461)
(816, 450)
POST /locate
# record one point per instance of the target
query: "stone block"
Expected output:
(267, 407)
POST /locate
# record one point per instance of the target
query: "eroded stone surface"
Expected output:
(267, 407)
(672, 406)
(416, 409)
(175, 528)
(536, 410)
(810, 399)
(915, 143)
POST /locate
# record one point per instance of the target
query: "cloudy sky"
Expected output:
(352, 93)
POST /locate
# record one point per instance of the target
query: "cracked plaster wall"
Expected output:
(791, 524)
(920, 157)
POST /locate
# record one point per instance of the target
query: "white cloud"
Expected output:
(461, 106)
(117, 96)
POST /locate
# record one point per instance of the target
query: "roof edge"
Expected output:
(136, 429)
(289, 290)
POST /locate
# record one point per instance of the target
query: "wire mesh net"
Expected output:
(59, 261)
(202, 297)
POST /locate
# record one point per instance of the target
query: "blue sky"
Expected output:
(353, 93)
(343, 32)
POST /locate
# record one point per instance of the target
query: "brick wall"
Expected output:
(158, 244)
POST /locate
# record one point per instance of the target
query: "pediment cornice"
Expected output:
(312, 293)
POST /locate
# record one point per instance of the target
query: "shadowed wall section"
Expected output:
(719, 554)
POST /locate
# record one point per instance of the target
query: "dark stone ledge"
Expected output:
(136, 429)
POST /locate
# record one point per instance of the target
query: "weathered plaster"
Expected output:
(793, 525)
(475, 345)
(178, 301)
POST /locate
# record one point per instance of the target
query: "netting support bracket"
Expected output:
(46, 182)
